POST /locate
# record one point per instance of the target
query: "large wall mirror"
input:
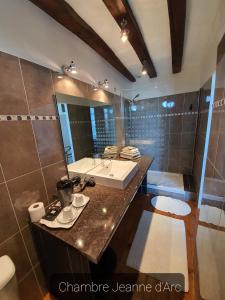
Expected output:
(87, 126)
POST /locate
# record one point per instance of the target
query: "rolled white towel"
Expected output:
(130, 149)
(131, 157)
(111, 149)
(131, 153)
(110, 153)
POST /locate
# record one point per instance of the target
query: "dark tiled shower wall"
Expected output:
(105, 127)
(80, 126)
(201, 131)
(166, 133)
(84, 143)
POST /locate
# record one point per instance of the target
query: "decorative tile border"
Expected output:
(219, 103)
(47, 118)
(162, 115)
(27, 118)
(89, 122)
(140, 116)
(221, 111)
(204, 111)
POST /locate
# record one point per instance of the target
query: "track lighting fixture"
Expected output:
(104, 83)
(71, 68)
(94, 88)
(60, 74)
(124, 31)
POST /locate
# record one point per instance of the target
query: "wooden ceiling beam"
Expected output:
(64, 14)
(120, 9)
(177, 18)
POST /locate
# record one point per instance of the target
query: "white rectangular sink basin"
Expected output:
(114, 173)
(82, 166)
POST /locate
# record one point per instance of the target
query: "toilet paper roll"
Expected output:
(36, 211)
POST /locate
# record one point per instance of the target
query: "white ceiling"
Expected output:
(152, 17)
(28, 32)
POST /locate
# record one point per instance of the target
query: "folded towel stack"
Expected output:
(130, 152)
(110, 152)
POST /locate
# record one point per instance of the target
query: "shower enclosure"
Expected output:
(164, 127)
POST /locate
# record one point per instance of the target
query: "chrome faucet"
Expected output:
(104, 164)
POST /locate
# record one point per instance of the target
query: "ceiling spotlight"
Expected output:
(104, 83)
(144, 70)
(71, 68)
(60, 75)
(94, 88)
(124, 36)
(124, 31)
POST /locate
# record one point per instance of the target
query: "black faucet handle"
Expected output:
(76, 180)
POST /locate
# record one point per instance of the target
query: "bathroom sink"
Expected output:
(82, 166)
(114, 173)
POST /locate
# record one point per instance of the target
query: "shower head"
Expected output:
(133, 99)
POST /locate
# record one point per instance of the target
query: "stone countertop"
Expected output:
(93, 230)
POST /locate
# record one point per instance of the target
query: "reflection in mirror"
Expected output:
(87, 126)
